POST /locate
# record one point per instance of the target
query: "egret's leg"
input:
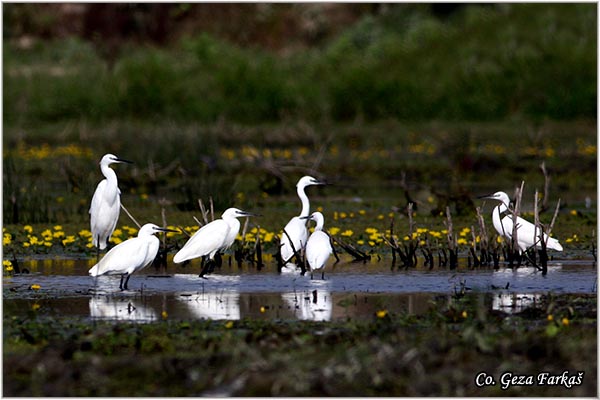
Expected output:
(323, 275)
(98, 249)
(311, 275)
(127, 281)
(121, 282)
(207, 267)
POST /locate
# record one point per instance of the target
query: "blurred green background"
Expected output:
(236, 101)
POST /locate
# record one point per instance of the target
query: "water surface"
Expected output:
(350, 290)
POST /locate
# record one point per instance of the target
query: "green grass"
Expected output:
(435, 354)
(532, 61)
(256, 166)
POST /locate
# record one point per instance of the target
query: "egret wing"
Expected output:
(206, 241)
(297, 232)
(318, 250)
(125, 257)
(104, 212)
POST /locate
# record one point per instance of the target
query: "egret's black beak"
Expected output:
(487, 196)
(167, 230)
(121, 160)
(307, 217)
(248, 214)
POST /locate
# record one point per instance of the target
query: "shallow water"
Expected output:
(350, 290)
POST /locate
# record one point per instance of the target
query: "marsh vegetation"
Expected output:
(409, 113)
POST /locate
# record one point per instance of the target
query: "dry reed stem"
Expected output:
(130, 216)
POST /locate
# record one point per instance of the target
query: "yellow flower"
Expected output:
(464, 314)
(461, 241)
(435, 234)
(262, 309)
(228, 324)
(6, 239)
(164, 314)
(565, 321)
(58, 228)
(85, 233)
(35, 307)
(68, 240)
(35, 286)
(381, 313)
(28, 228)
(334, 230)
(574, 213)
(131, 231)
(550, 317)
(171, 234)
(347, 233)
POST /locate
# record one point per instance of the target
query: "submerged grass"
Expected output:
(438, 353)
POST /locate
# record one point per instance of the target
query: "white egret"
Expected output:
(131, 255)
(106, 203)
(295, 233)
(527, 234)
(212, 237)
(318, 247)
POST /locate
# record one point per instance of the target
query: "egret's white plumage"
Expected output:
(131, 255)
(527, 234)
(296, 227)
(318, 247)
(106, 203)
(212, 237)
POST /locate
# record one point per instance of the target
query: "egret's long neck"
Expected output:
(497, 214)
(319, 226)
(110, 175)
(501, 208)
(234, 224)
(305, 203)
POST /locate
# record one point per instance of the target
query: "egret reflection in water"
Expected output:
(514, 302)
(313, 305)
(213, 305)
(291, 269)
(125, 309)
